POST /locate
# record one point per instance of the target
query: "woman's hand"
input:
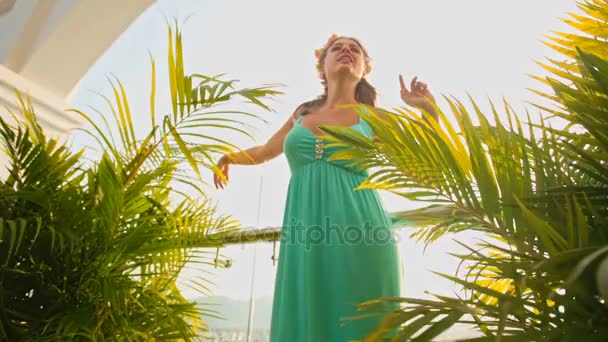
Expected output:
(418, 96)
(222, 165)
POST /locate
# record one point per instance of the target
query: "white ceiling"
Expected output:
(12, 23)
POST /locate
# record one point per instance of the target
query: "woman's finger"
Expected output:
(217, 178)
(413, 84)
(222, 179)
(403, 87)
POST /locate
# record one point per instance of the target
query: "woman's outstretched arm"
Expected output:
(254, 155)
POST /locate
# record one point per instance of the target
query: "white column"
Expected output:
(51, 111)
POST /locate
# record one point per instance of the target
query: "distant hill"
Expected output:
(235, 312)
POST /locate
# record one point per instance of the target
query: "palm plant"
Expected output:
(93, 251)
(536, 195)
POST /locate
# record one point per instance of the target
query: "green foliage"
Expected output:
(93, 250)
(536, 195)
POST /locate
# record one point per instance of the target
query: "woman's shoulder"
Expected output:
(297, 114)
(377, 110)
(303, 109)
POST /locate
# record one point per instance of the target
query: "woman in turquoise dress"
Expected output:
(337, 245)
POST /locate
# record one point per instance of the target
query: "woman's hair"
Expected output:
(364, 92)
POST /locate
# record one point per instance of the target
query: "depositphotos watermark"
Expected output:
(327, 233)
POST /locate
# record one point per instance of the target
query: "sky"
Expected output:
(485, 48)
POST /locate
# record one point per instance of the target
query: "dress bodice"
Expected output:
(302, 146)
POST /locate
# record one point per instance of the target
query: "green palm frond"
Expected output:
(535, 194)
(94, 250)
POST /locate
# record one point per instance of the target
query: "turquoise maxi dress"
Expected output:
(337, 246)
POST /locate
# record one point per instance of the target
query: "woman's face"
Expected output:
(344, 57)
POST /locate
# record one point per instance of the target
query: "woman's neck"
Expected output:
(340, 92)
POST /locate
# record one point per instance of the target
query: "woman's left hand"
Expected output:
(418, 96)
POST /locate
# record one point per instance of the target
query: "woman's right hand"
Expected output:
(222, 165)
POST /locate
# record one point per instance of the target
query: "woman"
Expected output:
(337, 249)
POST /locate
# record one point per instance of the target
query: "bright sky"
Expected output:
(483, 47)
